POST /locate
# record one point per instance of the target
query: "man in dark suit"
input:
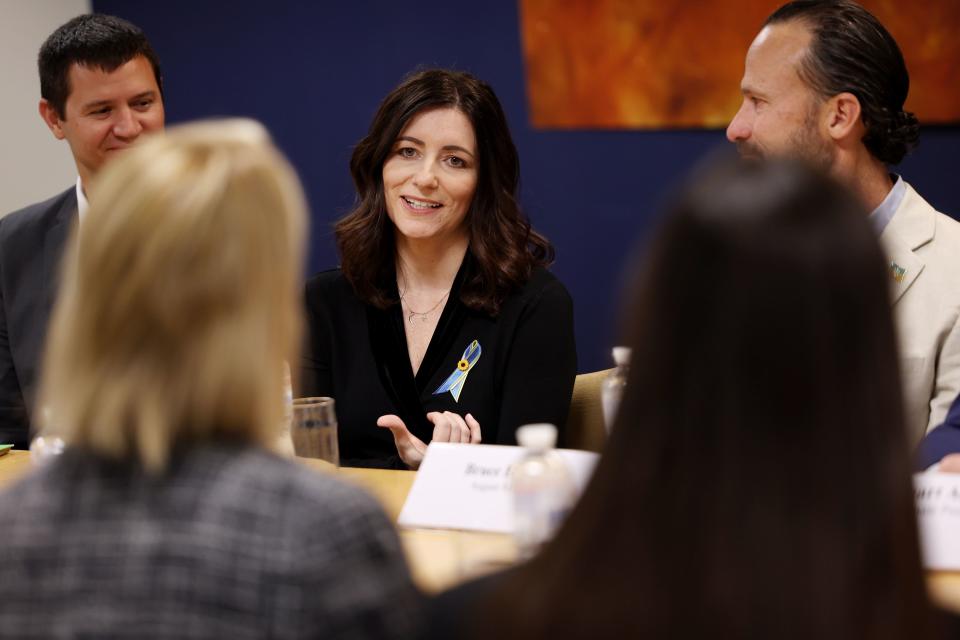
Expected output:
(942, 445)
(101, 89)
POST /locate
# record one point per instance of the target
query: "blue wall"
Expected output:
(315, 72)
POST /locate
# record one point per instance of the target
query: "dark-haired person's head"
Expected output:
(821, 78)
(484, 207)
(100, 88)
(756, 483)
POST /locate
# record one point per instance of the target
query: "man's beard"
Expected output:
(809, 146)
(804, 144)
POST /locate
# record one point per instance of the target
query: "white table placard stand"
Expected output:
(467, 486)
(938, 514)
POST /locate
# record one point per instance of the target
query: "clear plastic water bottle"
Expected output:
(46, 446)
(43, 449)
(543, 488)
(614, 385)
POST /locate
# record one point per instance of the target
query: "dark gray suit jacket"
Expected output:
(31, 247)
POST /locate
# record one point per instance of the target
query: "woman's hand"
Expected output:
(950, 463)
(447, 427)
(410, 447)
(450, 427)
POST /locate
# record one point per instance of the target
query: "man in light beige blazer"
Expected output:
(923, 247)
(825, 81)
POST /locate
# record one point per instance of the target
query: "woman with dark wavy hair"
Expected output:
(442, 322)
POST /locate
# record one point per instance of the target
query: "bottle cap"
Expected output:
(538, 437)
(621, 355)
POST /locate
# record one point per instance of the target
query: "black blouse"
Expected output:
(520, 371)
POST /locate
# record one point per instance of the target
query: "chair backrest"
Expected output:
(585, 427)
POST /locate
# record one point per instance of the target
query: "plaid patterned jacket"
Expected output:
(231, 542)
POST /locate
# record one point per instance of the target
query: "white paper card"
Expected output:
(938, 512)
(467, 486)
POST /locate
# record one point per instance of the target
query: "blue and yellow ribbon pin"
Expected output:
(897, 272)
(454, 383)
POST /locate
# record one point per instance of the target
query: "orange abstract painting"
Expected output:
(653, 64)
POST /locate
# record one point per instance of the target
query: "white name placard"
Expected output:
(938, 512)
(467, 486)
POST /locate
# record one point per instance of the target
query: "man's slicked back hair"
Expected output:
(93, 40)
(852, 52)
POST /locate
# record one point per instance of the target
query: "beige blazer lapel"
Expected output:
(910, 228)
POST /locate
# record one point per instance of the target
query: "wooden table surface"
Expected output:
(440, 558)
(12, 465)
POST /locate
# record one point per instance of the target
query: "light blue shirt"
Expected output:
(882, 215)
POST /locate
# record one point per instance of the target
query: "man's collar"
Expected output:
(82, 204)
(882, 215)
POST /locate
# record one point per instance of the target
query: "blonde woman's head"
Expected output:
(180, 298)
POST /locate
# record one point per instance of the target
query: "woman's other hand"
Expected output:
(950, 463)
(447, 427)
(450, 427)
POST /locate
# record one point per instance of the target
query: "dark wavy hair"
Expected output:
(93, 40)
(852, 52)
(503, 245)
(756, 483)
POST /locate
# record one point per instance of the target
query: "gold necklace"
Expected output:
(423, 315)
